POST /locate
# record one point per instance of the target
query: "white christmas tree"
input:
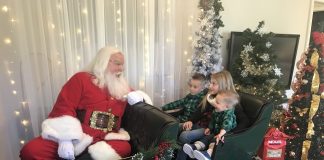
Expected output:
(207, 57)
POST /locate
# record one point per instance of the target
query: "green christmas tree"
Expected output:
(304, 119)
(257, 72)
(207, 57)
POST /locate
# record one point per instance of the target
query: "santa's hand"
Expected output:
(66, 149)
(134, 97)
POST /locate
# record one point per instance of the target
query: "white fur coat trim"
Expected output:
(147, 98)
(62, 128)
(121, 135)
(82, 144)
(103, 151)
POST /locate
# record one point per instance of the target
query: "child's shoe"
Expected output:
(188, 149)
(201, 155)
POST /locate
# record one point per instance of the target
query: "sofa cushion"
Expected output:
(242, 119)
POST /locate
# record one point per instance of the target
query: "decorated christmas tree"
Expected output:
(257, 72)
(304, 119)
(207, 57)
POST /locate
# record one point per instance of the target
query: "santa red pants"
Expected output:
(43, 149)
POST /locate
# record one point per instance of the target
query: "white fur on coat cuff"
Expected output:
(145, 96)
(102, 151)
(62, 128)
(82, 144)
(121, 135)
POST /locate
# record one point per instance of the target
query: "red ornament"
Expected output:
(294, 126)
(321, 88)
(309, 68)
(318, 38)
(322, 153)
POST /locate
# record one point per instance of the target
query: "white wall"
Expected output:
(280, 16)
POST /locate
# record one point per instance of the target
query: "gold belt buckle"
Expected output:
(105, 121)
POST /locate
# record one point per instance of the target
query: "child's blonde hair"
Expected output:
(225, 82)
(230, 98)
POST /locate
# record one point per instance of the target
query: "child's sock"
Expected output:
(210, 148)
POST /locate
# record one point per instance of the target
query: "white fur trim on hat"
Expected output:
(121, 135)
(146, 97)
(62, 128)
(103, 151)
(82, 144)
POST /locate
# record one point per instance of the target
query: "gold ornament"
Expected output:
(314, 59)
(315, 82)
(301, 112)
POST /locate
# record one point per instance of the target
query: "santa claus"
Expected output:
(87, 114)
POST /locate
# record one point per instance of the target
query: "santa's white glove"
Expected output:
(66, 149)
(134, 97)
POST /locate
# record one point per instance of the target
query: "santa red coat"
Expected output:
(81, 94)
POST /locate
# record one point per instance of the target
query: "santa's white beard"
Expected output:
(117, 85)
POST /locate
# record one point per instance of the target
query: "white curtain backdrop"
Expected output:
(44, 42)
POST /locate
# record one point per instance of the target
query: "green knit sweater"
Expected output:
(189, 104)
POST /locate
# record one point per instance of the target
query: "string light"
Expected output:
(185, 52)
(118, 11)
(188, 60)
(22, 142)
(79, 31)
(189, 23)
(141, 83)
(190, 38)
(17, 113)
(23, 103)
(12, 82)
(53, 26)
(14, 92)
(12, 20)
(85, 11)
(24, 122)
(4, 9)
(143, 4)
(7, 41)
(168, 10)
(78, 58)
(118, 20)
(62, 34)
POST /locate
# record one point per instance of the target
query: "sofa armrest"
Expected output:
(175, 112)
(148, 126)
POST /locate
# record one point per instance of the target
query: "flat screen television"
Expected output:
(284, 46)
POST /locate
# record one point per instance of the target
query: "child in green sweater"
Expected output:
(189, 103)
(223, 120)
